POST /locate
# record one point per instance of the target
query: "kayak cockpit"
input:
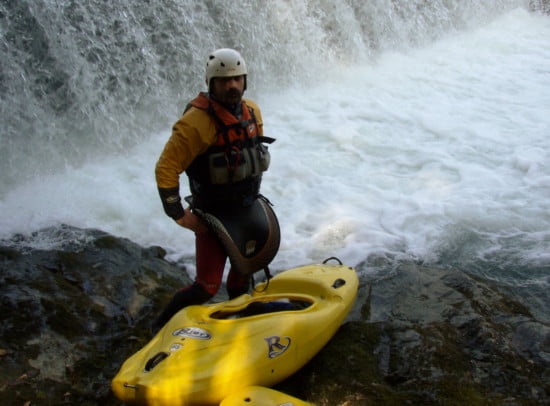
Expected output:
(259, 307)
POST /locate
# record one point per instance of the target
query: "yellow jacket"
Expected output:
(191, 136)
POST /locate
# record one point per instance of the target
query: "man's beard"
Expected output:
(232, 97)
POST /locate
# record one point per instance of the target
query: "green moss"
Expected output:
(447, 347)
(108, 242)
(345, 370)
(61, 319)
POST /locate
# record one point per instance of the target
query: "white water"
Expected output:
(437, 153)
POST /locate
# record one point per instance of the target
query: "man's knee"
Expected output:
(190, 295)
(201, 293)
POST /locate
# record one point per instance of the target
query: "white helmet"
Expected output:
(224, 62)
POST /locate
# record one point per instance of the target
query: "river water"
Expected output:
(406, 130)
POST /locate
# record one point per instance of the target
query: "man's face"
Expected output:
(228, 90)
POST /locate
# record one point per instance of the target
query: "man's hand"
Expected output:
(192, 222)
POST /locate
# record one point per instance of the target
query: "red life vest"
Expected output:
(231, 168)
(230, 128)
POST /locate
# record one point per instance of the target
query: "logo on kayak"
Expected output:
(175, 347)
(192, 332)
(275, 347)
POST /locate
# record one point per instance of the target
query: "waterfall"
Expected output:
(85, 78)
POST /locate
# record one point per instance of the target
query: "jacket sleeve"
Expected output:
(191, 135)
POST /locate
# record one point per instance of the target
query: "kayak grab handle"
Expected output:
(154, 361)
(331, 259)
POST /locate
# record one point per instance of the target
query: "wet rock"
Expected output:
(71, 314)
(76, 303)
(432, 337)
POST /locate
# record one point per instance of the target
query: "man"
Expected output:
(218, 142)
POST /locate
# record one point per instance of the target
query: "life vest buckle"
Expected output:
(233, 157)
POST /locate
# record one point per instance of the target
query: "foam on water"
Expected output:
(401, 155)
(437, 154)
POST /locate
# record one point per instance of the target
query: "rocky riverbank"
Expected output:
(73, 312)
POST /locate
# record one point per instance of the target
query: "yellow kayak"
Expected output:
(207, 352)
(260, 396)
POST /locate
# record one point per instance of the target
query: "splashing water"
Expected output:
(405, 130)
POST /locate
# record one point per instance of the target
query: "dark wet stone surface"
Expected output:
(422, 336)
